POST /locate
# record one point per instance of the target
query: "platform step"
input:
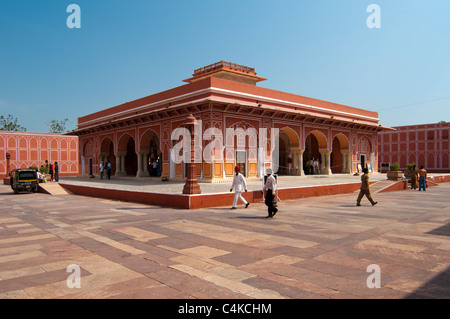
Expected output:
(53, 188)
(381, 185)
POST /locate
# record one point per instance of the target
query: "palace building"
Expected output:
(225, 99)
(426, 145)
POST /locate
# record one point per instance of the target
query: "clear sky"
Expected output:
(126, 50)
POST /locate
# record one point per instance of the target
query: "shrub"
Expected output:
(43, 170)
(394, 167)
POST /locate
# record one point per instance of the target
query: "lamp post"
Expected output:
(191, 186)
(7, 179)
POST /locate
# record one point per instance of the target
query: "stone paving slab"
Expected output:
(314, 248)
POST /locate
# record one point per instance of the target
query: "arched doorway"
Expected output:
(126, 156)
(288, 150)
(87, 159)
(107, 154)
(365, 153)
(315, 145)
(340, 155)
(151, 154)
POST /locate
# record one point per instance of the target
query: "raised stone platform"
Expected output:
(153, 191)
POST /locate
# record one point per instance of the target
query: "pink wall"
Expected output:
(32, 149)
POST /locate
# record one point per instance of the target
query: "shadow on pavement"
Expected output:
(436, 288)
(442, 231)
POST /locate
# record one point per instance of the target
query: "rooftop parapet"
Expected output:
(228, 71)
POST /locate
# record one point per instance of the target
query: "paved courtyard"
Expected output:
(318, 247)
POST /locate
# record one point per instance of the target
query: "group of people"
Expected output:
(312, 167)
(52, 170)
(421, 176)
(105, 166)
(270, 186)
(155, 166)
(239, 185)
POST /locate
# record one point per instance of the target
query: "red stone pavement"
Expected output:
(318, 247)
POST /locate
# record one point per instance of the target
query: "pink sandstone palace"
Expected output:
(224, 96)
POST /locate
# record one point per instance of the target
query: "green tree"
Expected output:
(9, 123)
(55, 126)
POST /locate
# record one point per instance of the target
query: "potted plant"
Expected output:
(393, 173)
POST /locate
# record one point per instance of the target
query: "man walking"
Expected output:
(271, 187)
(101, 170)
(422, 178)
(239, 185)
(365, 189)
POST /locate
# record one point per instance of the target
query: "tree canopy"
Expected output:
(9, 123)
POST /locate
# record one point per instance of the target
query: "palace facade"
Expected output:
(225, 99)
(426, 145)
(33, 149)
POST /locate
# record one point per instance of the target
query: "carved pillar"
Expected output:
(140, 170)
(326, 161)
(7, 179)
(346, 165)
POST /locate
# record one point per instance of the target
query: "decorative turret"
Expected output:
(228, 71)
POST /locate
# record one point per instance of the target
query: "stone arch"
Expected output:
(12, 142)
(315, 143)
(87, 158)
(243, 136)
(126, 150)
(54, 143)
(288, 143)
(150, 152)
(44, 143)
(23, 143)
(107, 153)
(340, 155)
(430, 160)
(364, 151)
(403, 161)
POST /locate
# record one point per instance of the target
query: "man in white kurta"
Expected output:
(239, 185)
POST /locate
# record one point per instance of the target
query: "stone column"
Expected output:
(122, 165)
(118, 164)
(145, 163)
(140, 171)
(8, 163)
(297, 161)
(326, 168)
(346, 169)
(7, 178)
(322, 162)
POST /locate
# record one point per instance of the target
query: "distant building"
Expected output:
(32, 149)
(426, 144)
(225, 96)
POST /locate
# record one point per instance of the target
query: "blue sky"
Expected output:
(126, 50)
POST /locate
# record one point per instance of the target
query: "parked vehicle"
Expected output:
(24, 179)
